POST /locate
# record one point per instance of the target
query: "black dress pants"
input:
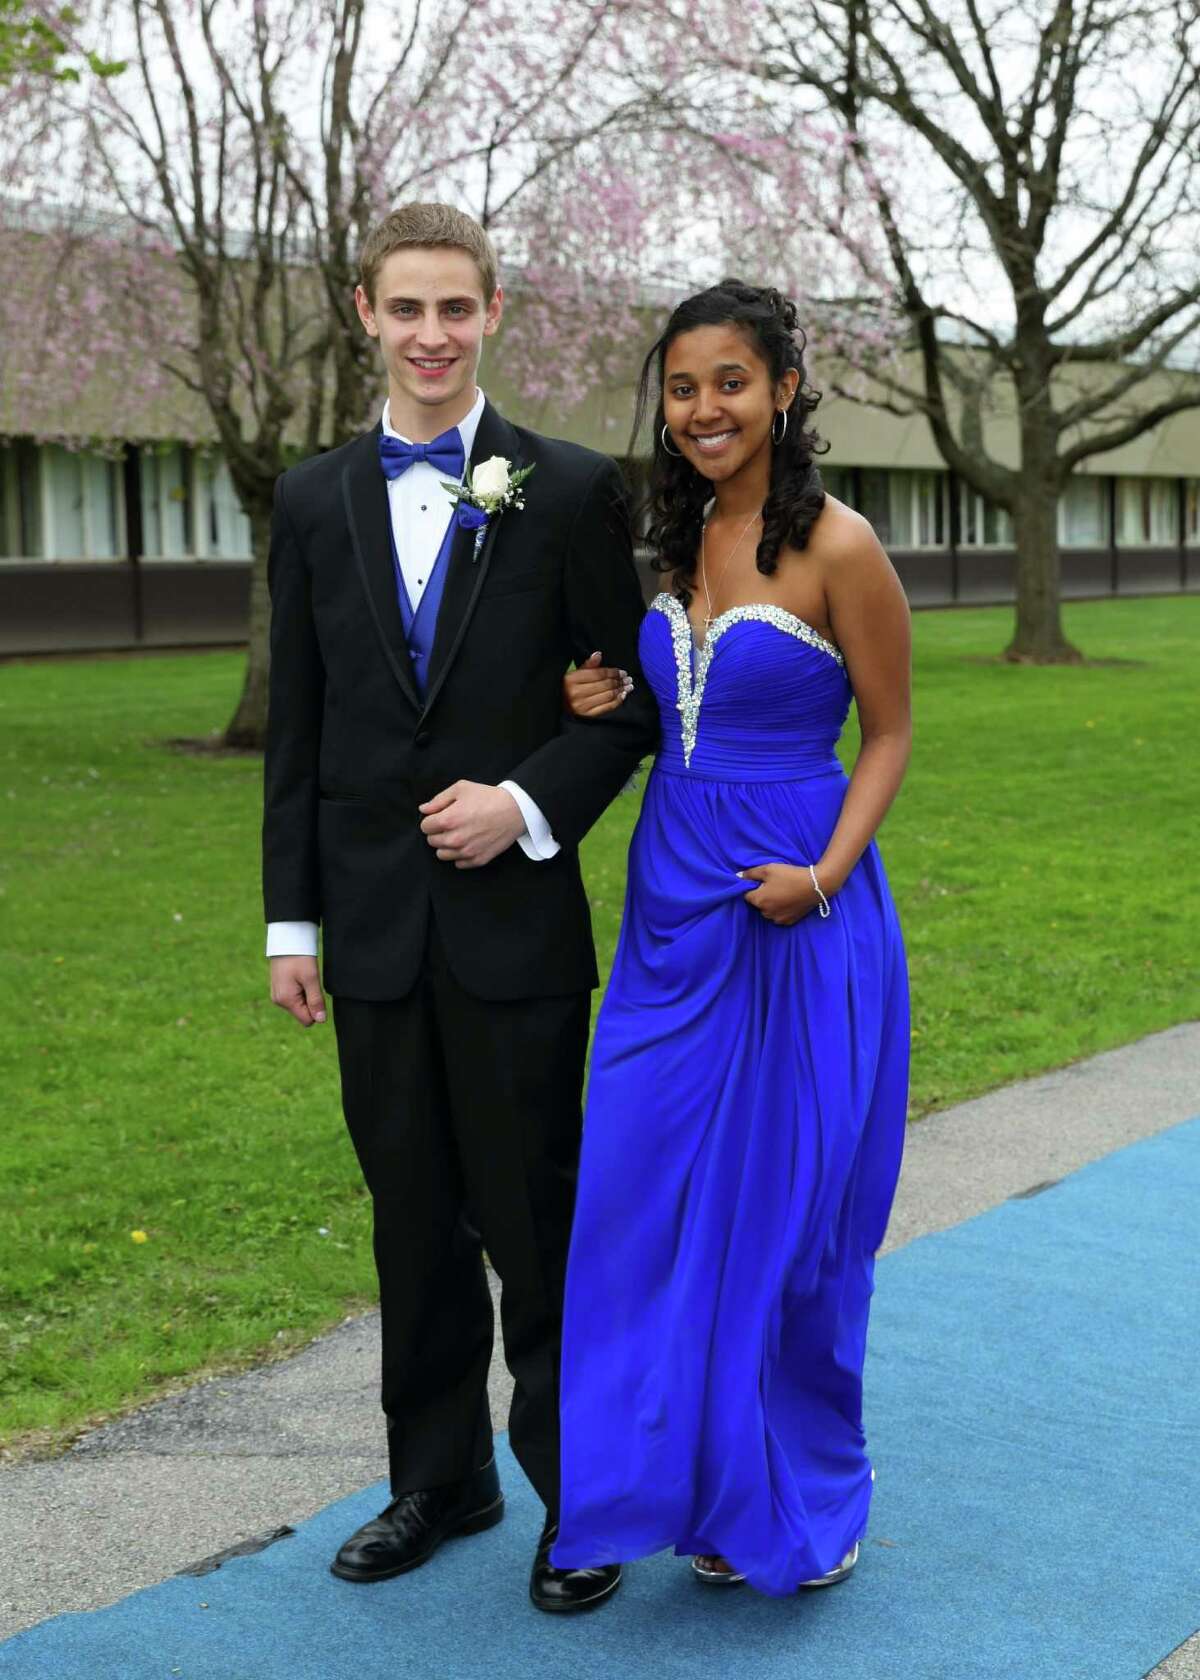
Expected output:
(466, 1117)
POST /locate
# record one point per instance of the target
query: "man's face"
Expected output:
(430, 317)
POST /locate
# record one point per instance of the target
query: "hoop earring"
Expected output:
(667, 450)
(780, 413)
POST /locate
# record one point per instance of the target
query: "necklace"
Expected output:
(708, 616)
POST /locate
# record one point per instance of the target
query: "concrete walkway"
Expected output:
(234, 1459)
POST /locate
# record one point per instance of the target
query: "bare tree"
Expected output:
(1032, 164)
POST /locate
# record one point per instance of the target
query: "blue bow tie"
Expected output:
(446, 453)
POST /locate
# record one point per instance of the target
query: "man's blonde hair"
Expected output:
(430, 226)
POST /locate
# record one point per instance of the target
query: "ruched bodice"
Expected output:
(764, 699)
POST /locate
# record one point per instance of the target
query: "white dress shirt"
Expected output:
(420, 508)
(420, 511)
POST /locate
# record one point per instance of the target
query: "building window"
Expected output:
(929, 509)
(981, 523)
(103, 507)
(875, 502)
(1191, 512)
(907, 509)
(167, 526)
(839, 483)
(226, 527)
(1147, 513)
(83, 505)
(1083, 513)
(64, 497)
(20, 502)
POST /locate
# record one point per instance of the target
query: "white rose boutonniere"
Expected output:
(490, 479)
(486, 491)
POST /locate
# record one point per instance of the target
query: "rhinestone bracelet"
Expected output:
(824, 901)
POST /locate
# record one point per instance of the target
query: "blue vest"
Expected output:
(420, 627)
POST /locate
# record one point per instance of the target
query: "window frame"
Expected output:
(1103, 498)
(207, 464)
(1146, 485)
(981, 508)
(48, 474)
(157, 454)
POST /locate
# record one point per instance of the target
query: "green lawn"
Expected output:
(1042, 853)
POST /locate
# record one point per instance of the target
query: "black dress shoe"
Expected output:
(407, 1532)
(566, 1590)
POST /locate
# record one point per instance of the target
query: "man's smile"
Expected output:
(432, 366)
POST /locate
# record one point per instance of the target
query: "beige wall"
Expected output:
(107, 408)
(862, 436)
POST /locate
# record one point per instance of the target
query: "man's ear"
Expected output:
(495, 309)
(365, 312)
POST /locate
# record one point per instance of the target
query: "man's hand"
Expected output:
(296, 987)
(470, 823)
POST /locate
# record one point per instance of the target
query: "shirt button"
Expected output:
(424, 509)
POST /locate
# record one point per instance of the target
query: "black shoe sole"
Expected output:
(473, 1524)
(557, 1608)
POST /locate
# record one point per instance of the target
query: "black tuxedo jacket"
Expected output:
(352, 749)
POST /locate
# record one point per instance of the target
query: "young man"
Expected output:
(425, 796)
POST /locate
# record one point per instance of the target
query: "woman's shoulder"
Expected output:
(842, 566)
(840, 532)
(844, 547)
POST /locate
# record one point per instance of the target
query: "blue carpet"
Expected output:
(1033, 1392)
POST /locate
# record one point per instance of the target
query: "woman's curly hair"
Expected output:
(677, 495)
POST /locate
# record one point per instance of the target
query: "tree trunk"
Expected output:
(248, 726)
(1038, 637)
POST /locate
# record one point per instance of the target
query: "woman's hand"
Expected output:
(786, 894)
(594, 689)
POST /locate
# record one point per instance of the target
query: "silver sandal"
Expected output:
(716, 1577)
(843, 1569)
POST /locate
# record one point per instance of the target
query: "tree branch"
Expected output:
(1136, 426)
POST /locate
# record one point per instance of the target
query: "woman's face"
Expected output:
(719, 400)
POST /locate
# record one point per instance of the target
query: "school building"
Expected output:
(138, 541)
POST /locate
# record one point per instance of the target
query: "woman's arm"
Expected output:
(593, 689)
(869, 615)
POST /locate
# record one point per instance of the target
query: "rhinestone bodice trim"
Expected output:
(691, 694)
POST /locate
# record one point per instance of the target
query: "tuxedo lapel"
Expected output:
(368, 515)
(467, 570)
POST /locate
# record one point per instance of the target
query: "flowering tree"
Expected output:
(1030, 167)
(212, 199)
(230, 174)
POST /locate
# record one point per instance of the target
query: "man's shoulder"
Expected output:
(571, 463)
(318, 473)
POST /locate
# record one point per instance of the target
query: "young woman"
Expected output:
(749, 1076)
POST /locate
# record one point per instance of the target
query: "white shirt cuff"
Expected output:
(291, 939)
(537, 842)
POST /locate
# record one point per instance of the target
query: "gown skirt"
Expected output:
(742, 1139)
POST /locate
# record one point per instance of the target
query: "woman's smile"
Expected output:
(712, 443)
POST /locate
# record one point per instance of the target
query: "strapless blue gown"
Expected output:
(742, 1140)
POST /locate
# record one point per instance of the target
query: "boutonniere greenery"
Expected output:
(486, 490)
